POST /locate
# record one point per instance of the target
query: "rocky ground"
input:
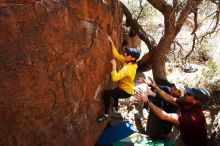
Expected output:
(131, 110)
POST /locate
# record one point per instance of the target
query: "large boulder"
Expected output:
(54, 64)
(215, 135)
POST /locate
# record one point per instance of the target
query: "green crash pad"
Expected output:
(138, 139)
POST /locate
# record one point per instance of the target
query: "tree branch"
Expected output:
(142, 8)
(190, 6)
(193, 46)
(159, 5)
(169, 23)
(148, 39)
(214, 1)
(195, 21)
(216, 18)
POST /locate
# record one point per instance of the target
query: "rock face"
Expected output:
(54, 64)
(215, 136)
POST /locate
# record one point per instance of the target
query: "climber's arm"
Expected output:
(116, 76)
(115, 52)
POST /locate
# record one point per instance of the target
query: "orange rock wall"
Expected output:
(54, 64)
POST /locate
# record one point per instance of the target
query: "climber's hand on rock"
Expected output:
(113, 62)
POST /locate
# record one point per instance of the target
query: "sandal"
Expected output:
(102, 118)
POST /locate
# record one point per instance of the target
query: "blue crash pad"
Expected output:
(116, 133)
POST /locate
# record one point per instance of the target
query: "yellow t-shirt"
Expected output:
(126, 75)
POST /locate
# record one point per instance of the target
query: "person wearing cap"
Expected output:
(156, 127)
(191, 120)
(125, 77)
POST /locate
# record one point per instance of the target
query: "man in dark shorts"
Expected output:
(157, 128)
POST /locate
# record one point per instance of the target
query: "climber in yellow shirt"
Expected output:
(125, 77)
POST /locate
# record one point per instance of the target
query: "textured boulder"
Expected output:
(215, 135)
(54, 64)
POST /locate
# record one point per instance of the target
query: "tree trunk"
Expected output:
(158, 65)
(159, 55)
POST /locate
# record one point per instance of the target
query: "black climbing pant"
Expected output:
(111, 97)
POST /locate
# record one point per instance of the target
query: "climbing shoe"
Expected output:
(102, 118)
